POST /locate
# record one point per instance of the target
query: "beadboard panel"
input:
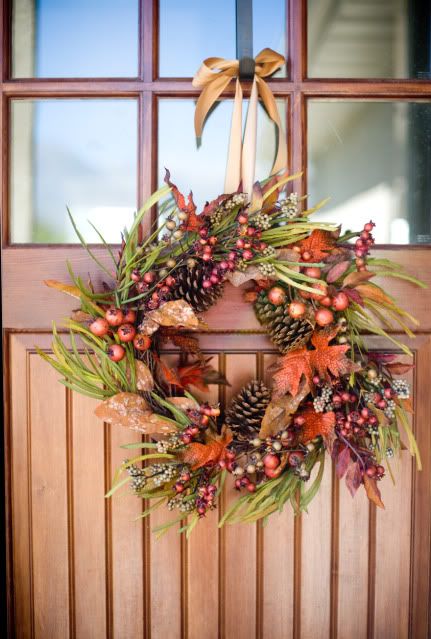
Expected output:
(83, 566)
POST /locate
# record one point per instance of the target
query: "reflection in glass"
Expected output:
(373, 159)
(83, 38)
(202, 169)
(192, 30)
(377, 39)
(76, 153)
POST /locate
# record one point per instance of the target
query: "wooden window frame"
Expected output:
(297, 89)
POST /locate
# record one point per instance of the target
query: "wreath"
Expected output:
(313, 291)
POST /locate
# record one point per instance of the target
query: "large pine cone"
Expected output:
(189, 287)
(286, 333)
(247, 409)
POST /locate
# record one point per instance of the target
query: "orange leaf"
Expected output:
(291, 368)
(169, 375)
(373, 493)
(357, 277)
(198, 455)
(193, 222)
(326, 358)
(373, 292)
(316, 424)
(319, 243)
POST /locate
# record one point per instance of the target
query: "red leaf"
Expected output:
(337, 271)
(343, 461)
(373, 493)
(353, 478)
(354, 296)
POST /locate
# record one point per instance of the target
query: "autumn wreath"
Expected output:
(313, 290)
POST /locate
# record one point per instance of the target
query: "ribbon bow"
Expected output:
(213, 77)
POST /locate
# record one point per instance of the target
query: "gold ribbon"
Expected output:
(213, 77)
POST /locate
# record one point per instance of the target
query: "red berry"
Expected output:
(325, 301)
(149, 277)
(242, 219)
(247, 254)
(126, 332)
(240, 243)
(206, 284)
(271, 473)
(299, 420)
(116, 352)
(324, 317)
(271, 461)
(321, 291)
(170, 281)
(129, 316)
(251, 487)
(313, 271)
(295, 459)
(296, 309)
(141, 287)
(371, 471)
(179, 487)
(340, 301)
(186, 438)
(306, 256)
(238, 484)
(369, 226)
(135, 276)
(114, 316)
(99, 327)
(345, 396)
(277, 295)
(388, 393)
(141, 342)
(185, 477)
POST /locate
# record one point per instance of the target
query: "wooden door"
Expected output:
(81, 566)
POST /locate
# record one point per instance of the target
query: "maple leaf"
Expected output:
(200, 374)
(193, 222)
(319, 244)
(290, 369)
(326, 358)
(316, 424)
(301, 362)
(211, 453)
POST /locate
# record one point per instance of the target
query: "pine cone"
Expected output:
(247, 409)
(189, 287)
(286, 333)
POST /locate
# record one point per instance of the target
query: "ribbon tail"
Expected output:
(280, 162)
(248, 160)
(233, 166)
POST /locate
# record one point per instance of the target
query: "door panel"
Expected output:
(83, 566)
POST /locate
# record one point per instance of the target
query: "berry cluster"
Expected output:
(119, 324)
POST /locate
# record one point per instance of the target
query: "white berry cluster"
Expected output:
(322, 402)
(178, 502)
(390, 409)
(268, 270)
(401, 388)
(289, 206)
(162, 473)
(239, 199)
(262, 221)
(269, 251)
(172, 443)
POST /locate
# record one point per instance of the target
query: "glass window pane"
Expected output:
(374, 160)
(79, 38)
(202, 169)
(377, 39)
(76, 153)
(192, 30)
